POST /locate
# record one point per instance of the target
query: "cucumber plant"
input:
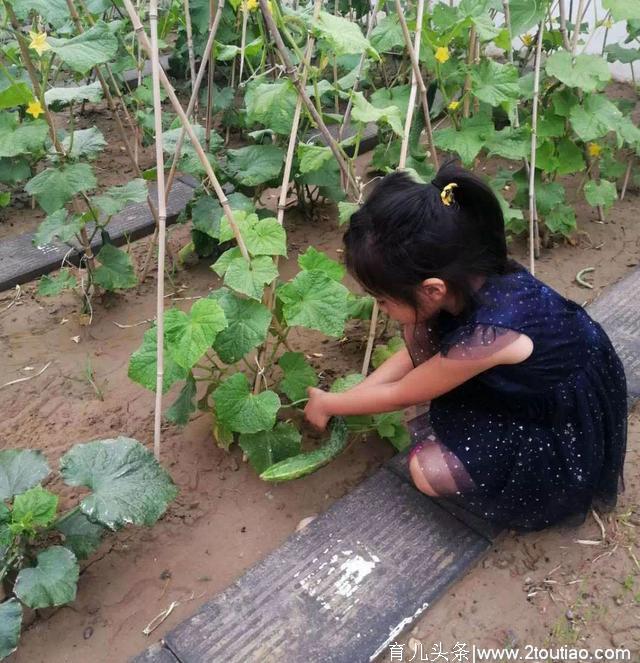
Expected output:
(253, 400)
(40, 547)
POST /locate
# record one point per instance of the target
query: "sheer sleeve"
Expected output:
(477, 341)
(421, 341)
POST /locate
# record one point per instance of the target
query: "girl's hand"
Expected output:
(316, 411)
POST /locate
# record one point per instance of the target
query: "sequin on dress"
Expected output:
(543, 440)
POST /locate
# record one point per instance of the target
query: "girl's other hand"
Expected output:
(316, 411)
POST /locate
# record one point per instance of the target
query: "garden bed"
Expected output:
(225, 518)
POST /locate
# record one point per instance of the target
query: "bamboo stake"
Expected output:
(627, 175)
(144, 40)
(282, 200)
(210, 71)
(243, 39)
(416, 77)
(576, 27)
(563, 24)
(162, 218)
(291, 71)
(192, 58)
(467, 80)
(533, 218)
(195, 91)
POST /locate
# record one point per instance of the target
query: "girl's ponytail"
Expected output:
(459, 187)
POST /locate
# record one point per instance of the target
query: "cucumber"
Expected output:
(306, 463)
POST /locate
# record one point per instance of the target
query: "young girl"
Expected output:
(527, 418)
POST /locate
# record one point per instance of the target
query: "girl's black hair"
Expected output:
(404, 233)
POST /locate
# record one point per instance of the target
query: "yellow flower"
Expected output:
(527, 40)
(39, 42)
(594, 150)
(442, 54)
(252, 5)
(35, 108)
(608, 24)
(453, 105)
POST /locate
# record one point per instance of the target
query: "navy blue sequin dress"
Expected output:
(543, 440)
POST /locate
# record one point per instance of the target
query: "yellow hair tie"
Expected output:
(447, 193)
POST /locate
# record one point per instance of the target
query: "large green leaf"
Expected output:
(585, 72)
(87, 143)
(365, 112)
(600, 193)
(298, 375)
(561, 220)
(54, 187)
(273, 105)
(55, 12)
(623, 10)
(189, 336)
(314, 300)
(398, 96)
(387, 35)
(207, 213)
(248, 324)
(495, 83)
(256, 164)
(20, 469)
(341, 36)
(525, 14)
(59, 225)
(469, 140)
(53, 581)
(129, 485)
(116, 198)
(312, 259)
(143, 366)
(383, 352)
(25, 138)
(246, 277)
(50, 286)
(14, 95)
(240, 410)
(10, 626)
(617, 53)
(116, 269)
(183, 407)
(595, 117)
(34, 508)
(61, 96)
(313, 157)
(271, 446)
(81, 536)
(262, 237)
(510, 143)
(95, 46)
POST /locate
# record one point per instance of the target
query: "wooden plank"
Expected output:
(157, 653)
(340, 590)
(21, 261)
(618, 311)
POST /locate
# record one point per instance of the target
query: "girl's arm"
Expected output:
(427, 381)
(392, 370)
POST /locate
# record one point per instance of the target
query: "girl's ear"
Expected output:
(435, 289)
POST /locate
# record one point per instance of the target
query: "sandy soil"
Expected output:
(226, 519)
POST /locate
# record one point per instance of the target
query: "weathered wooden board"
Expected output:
(340, 590)
(618, 311)
(21, 261)
(155, 654)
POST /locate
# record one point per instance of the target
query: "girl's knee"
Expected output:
(419, 479)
